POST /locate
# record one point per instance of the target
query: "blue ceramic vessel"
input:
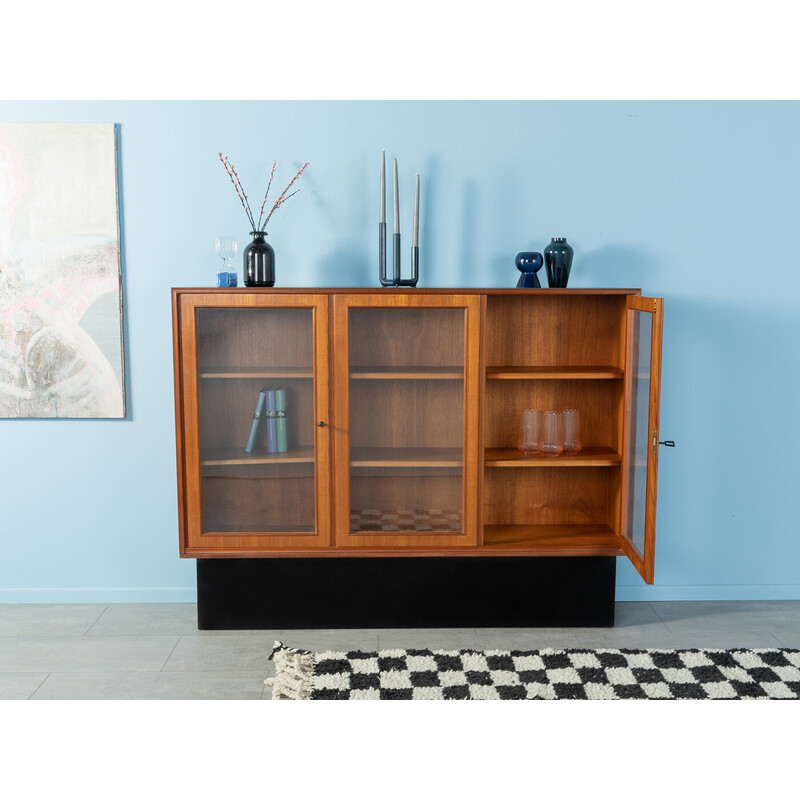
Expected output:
(558, 260)
(528, 264)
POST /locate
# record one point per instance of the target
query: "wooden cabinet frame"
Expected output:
(521, 346)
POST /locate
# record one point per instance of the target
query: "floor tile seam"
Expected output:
(663, 621)
(41, 683)
(252, 673)
(716, 629)
(42, 635)
(99, 617)
(171, 653)
(120, 635)
(85, 635)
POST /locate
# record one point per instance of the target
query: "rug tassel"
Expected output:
(294, 670)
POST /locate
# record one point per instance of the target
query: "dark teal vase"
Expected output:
(528, 264)
(259, 262)
(558, 260)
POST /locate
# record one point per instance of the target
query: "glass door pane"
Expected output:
(639, 437)
(256, 419)
(406, 389)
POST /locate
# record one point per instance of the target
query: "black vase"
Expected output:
(558, 260)
(259, 262)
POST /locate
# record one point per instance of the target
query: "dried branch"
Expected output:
(237, 185)
(284, 197)
(264, 202)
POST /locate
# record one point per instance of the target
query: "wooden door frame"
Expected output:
(643, 562)
(193, 542)
(342, 303)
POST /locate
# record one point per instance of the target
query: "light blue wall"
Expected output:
(697, 202)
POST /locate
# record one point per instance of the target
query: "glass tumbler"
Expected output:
(572, 431)
(529, 434)
(552, 438)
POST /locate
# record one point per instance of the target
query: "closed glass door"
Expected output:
(260, 464)
(406, 380)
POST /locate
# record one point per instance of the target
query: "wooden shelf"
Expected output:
(232, 456)
(554, 373)
(408, 373)
(406, 457)
(278, 373)
(573, 540)
(588, 457)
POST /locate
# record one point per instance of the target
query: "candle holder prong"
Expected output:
(396, 260)
(412, 281)
(382, 255)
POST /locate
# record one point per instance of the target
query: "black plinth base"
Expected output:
(281, 593)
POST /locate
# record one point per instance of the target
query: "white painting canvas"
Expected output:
(61, 348)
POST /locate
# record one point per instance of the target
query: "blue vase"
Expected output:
(528, 264)
(558, 260)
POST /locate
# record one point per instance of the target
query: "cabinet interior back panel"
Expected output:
(252, 337)
(406, 413)
(599, 403)
(555, 331)
(564, 496)
(397, 337)
(259, 499)
(226, 412)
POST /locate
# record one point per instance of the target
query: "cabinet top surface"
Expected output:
(400, 290)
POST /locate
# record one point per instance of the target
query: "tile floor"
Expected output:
(154, 651)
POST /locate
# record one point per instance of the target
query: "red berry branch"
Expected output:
(284, 197)
(264, 201)
(237, 185)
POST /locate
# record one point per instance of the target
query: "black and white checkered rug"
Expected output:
(548, 674)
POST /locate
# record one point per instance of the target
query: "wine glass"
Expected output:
(226, 250)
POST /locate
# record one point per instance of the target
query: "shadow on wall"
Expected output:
(345, 265)
(624, 267)
(429, 213)
(467, 271)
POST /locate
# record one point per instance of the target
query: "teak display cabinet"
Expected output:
(402, 417)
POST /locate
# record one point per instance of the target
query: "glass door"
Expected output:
(255, 389)
(640, 448)
(405, 383)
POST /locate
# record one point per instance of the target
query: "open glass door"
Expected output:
(640, 448)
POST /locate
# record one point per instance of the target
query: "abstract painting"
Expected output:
(61, 348)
